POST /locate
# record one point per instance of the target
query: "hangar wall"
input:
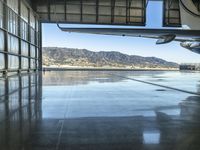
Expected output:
(19, 37)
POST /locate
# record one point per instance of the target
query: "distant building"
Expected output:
(189, 67)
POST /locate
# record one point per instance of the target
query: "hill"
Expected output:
(64, 57)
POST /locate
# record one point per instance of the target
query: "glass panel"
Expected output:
(13, 44)
(32, 36)
(24, 12)
(32, 64)
(1, 14)
(24, 30)
(2, 45)
(12, 22)
(13, 4)
(24, 63)
(33, 51)
(13, 62)
(24, 48)
(32, 20)
(2, 61)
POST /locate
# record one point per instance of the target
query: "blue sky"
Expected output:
(52, 36)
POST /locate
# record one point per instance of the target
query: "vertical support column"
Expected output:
(127, 4)
(7, 114)
(168, 14)
(163, 13)
(129, 11)
(35, 43)
(29, 102)
(20, 110)
(5, 26)
(19, 34)
(40, 47)
(49, 11)
(97, 11)
(65, 9)
(112, 11)
(81, 9)
(39, 96)
(144, 11)
(29, 39)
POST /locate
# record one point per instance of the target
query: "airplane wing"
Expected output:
(163, 35)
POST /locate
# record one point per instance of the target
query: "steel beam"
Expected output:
(19, 32)
(5, 25)
(40, 47)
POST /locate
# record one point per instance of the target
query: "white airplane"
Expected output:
(188, 38)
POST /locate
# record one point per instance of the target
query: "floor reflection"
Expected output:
(94, 112)
(20, 108)
(79, 77)
(162, 132)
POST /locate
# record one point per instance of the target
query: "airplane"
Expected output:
(189, 39)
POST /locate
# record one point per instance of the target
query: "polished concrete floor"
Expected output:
(82, 110)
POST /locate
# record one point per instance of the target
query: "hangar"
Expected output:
(95, 110)
(21, 30)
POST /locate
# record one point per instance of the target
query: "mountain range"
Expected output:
(71, 57)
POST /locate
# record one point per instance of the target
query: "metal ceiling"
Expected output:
(109, 12)
(171, 13)
(116, 12)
